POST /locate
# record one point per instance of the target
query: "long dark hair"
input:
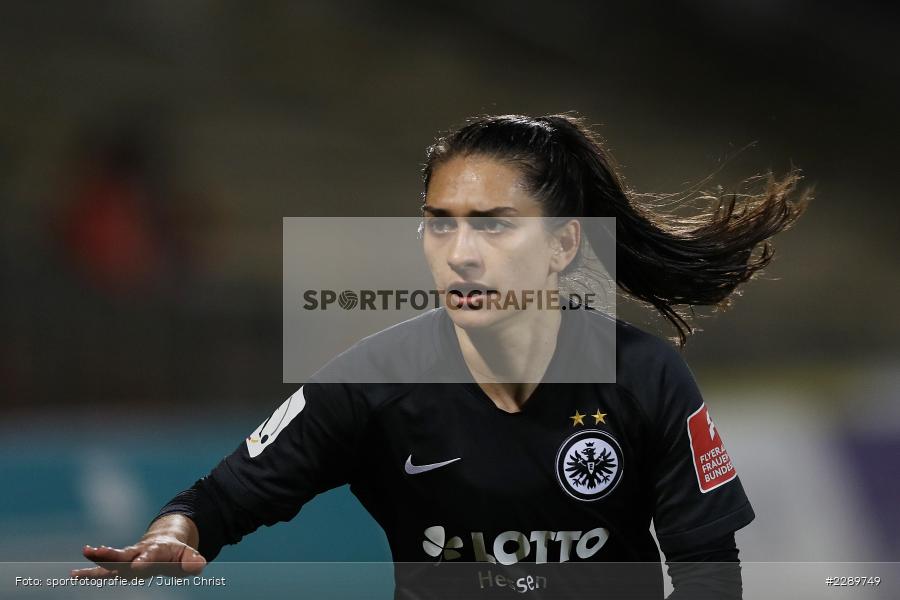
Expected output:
(662, 259)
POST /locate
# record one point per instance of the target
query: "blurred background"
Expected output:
(149, 151)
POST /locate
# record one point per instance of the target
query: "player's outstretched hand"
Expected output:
(150, 556)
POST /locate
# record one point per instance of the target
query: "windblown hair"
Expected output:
(663, 259)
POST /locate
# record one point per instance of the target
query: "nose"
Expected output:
(464, 257)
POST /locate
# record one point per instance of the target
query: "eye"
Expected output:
(492, 225)
(440, 225)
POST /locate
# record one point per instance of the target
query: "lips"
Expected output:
(471, 290)
(469, 295)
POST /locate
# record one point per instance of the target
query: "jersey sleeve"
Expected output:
(697, 494)
(305, 447)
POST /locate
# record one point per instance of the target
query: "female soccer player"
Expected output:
(511, 466)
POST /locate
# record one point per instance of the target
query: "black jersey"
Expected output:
(575, 476)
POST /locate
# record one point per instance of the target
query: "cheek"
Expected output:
(429, 250)
(433, 257)
(526, 266)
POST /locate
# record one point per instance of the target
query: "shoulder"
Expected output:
(386, 364)
(639, 353)
(649, 368)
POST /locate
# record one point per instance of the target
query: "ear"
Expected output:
(566, 241)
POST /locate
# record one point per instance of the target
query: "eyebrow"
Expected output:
(497, 211)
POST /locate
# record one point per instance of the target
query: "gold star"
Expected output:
(577, 419)
(599, 417)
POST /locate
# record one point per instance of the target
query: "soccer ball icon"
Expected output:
(348, 300)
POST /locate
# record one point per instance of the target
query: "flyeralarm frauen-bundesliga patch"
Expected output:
(711, 461)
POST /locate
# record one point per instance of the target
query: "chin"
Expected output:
(475, 319)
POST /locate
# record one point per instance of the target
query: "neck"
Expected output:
(510, 358)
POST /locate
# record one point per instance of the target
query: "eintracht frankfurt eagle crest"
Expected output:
(589, 465)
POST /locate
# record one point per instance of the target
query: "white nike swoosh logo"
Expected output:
(412, 469)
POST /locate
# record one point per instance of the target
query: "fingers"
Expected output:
(110, 555)
(144, 558)
(111, 559)
(192, 562)
(93, 573)
(156, 555)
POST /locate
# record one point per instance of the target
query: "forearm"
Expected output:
(709, 581)
(217, 519)
(710, 572)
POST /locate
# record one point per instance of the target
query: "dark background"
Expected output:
(149, 151)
